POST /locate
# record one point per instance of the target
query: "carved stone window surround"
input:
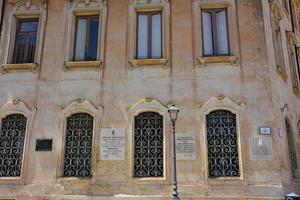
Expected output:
(233, 58)
(15, 106)
(84, 8)
(223, 103)
(147, 6)
(20, 9)
(148, 105)
(78, 106)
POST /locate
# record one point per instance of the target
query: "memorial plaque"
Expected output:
(261, 149)
(112, 144)
(185, 146)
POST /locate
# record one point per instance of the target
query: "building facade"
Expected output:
(86, 84)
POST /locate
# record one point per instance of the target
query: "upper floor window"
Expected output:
(86, 41)
(149, 36)
(291, 149)
(215, 32)
(25, 41)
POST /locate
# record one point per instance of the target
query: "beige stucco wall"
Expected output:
(253, 81)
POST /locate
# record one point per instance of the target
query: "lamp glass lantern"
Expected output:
(173, 111)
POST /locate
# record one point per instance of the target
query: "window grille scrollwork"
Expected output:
(12, 139)
(148, 145)
(78, 146)
(222, 144)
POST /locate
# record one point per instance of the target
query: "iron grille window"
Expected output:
(86, 40)
(78, 145)
(222, 144)
(148, 145)
(12, 139)
(215, 32)
(25, 43)
(291, 148)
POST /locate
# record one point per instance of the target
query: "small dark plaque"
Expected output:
(43, 145)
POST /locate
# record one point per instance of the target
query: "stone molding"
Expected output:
(78, 106)
(84, 7)
(232, 32)
(144, 6)
(20, 9)
(222, 102)
(144, 105)
(16, 106)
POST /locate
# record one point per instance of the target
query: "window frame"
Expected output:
(135, 7)
(87, 40)
(149, 39)
(148, 105)
(78, 106)
(78, 8)
(16, 106)
(17, 34)
(233, 57)
(213, 11)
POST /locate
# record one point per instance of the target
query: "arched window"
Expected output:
(12, 137)
(222, 144)
(291, 148)
(78, 145)
(148, 145)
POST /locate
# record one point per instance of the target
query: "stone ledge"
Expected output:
(281, 72)
(203, 61)
(163, 63)
(83, 65)
(25, 67)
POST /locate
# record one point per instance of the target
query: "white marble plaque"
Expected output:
(261, 149)
(112, 144)
(185, 146)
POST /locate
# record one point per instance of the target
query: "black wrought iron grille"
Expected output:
(12, 138)
(148, 145)
(78, 145)
(223, 159)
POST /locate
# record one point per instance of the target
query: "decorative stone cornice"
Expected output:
(136, 2)
(290, 37)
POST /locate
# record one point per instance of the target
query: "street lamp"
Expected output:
(173, 111)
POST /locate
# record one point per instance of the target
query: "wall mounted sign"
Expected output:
(185, 146)
(43, 145)
(261, 149)
(264, 130)
(112, 144)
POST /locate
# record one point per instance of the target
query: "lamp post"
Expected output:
(173, 111)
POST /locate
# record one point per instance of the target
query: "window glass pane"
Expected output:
(29, 26)
(93, 39)
(222, 37)
(80, 39)
(31, 49)
(207, 33)
(156, 36)
(142, 49)
(20, 49)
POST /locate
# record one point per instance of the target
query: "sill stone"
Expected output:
(83, 65)
(25, 67)
(163, 63)
(203, 61)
